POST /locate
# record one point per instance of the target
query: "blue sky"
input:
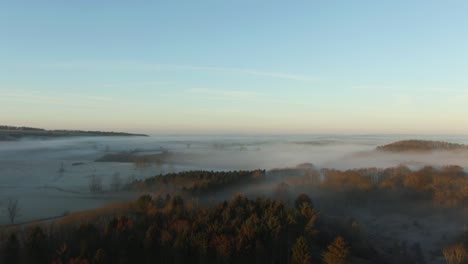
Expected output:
(236, 66)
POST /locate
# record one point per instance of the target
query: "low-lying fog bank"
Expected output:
(52, 177)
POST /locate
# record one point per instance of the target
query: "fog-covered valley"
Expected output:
(56, 179)
(52, 177)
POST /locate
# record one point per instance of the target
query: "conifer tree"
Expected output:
(337, 252)
(300, 252)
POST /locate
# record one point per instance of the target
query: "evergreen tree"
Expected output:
(337, 252)
(300, 252)
(36, 246)
(11, 250)
(100, 257)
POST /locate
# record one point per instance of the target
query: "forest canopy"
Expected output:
(421, 146)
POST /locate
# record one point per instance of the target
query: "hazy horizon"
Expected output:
(201, 133)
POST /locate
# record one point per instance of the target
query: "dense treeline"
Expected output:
(198, 182)
(447, 186)
(171, 230)
(21, 128)
(421, 146)
(130, 157)
(185, 229)
(14, 133)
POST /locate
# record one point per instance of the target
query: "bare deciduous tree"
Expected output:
(13, 209)
(95, 184)
(61, 168)
(116, 182)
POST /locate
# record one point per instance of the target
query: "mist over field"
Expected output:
(31, 170)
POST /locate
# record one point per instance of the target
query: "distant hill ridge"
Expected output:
(421, 146)
(12, 133)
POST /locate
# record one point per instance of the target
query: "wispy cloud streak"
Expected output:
(73, 100)
(225, 93)
(117, 66)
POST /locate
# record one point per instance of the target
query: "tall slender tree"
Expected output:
(337, 252)
(301, 252)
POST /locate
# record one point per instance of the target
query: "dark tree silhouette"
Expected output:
(301, 252)
(13, 209)
(303, 199)
(36, 246)
(11, 252)
(337, 252)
